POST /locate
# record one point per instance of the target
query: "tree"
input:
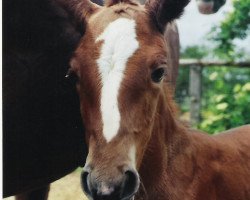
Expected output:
(236, 25)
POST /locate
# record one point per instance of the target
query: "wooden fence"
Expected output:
(195, 82)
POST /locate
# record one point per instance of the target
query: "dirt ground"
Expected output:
(67, 188)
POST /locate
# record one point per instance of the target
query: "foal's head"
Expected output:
(120, 64)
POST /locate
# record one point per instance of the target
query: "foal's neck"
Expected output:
(166, 149)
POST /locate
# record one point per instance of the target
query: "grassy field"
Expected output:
(67, 188)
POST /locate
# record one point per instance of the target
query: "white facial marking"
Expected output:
(119, 44)
(106, 189)
(132, 156)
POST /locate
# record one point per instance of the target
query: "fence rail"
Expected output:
(195, 82)
(208, 63)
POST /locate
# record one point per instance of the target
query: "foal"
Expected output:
(126, 101)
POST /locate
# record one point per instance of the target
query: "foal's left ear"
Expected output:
(164, 11)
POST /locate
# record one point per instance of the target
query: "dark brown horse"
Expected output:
(209, 6)
(43, 135)
(132, 132)
(42, 129)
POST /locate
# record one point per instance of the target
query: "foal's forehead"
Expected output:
(106, 15)
(124, 19)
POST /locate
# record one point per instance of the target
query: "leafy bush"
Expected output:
(236, 25)
(225, 99)
(226, 94)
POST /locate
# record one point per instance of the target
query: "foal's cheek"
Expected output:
(149, 113)
(140, 147)
(141, 141)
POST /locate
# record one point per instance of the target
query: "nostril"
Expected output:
(85, 182)
(131, 184)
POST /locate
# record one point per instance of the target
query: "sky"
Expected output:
(193, 26)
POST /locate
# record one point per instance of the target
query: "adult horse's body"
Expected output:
(131, 126)
(43, 136)
(42, 130)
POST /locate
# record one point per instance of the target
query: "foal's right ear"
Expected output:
(164, 11)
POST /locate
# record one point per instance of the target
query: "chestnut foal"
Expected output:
(126, 101)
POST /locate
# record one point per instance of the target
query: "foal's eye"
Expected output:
(158, 74)
(72, 77)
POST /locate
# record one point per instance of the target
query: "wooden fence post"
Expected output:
(195, 77)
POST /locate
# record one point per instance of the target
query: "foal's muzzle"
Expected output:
(121, 187)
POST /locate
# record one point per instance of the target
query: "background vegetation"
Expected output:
(226, 90)
(235, 26)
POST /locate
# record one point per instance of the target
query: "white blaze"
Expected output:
(119, 44)
(132, 156)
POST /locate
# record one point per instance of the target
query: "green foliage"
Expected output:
(181, 92)
(225, 98)
(226, 93)
(235, 26)
(196, 52)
